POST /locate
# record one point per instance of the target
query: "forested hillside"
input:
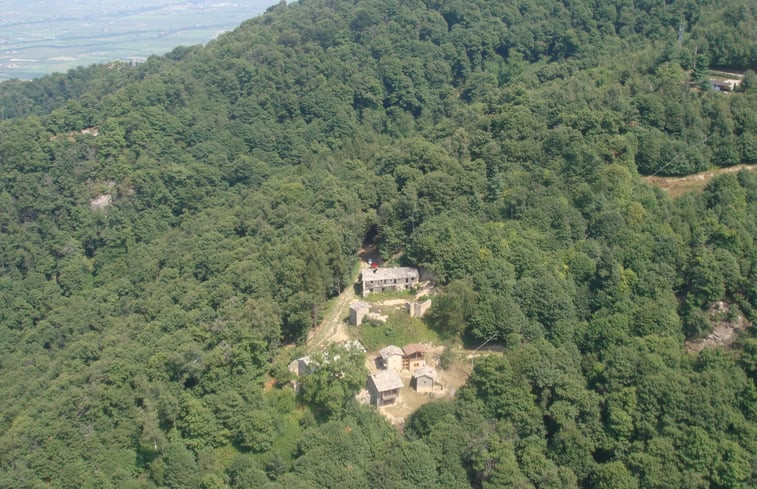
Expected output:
(170, 230)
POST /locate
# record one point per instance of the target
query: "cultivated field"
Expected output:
(37, 38)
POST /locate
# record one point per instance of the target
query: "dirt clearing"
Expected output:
(726, 327)
(677, 186)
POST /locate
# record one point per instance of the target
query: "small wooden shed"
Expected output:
(424, 379)
(413, 356)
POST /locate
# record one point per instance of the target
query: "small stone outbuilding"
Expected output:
(392, 358)
(301, 366)
(384, 387)
(358, 311)
(418, 309)
(423, 379)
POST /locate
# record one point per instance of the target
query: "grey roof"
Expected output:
(424, 372)
(389, 273)
(386, 380)
(391, 350)
(358, 305)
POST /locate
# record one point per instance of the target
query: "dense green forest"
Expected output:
(498, 144)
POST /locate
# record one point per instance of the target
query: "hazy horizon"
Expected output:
(43, 37)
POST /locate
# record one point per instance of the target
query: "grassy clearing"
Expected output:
(399, 329)
(388, 295)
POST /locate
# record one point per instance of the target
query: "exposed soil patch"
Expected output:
(101, 202)
(677, 186)
(270, 384)
(724, 331)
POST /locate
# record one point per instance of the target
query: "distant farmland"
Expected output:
(37, 38)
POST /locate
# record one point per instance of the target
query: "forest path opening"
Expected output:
(334, 326)
(677, 186)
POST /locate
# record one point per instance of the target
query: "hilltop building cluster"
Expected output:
(387, 279)
(393, 362)
(385, 384)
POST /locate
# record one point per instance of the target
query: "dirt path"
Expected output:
(677, 186)
(333, 328)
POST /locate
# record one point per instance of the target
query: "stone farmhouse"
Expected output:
(384, 387)
(392, 358)
(382, 279)
(409, 358)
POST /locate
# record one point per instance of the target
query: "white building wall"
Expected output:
(394, 362)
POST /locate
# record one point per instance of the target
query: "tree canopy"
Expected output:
(169, 229)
